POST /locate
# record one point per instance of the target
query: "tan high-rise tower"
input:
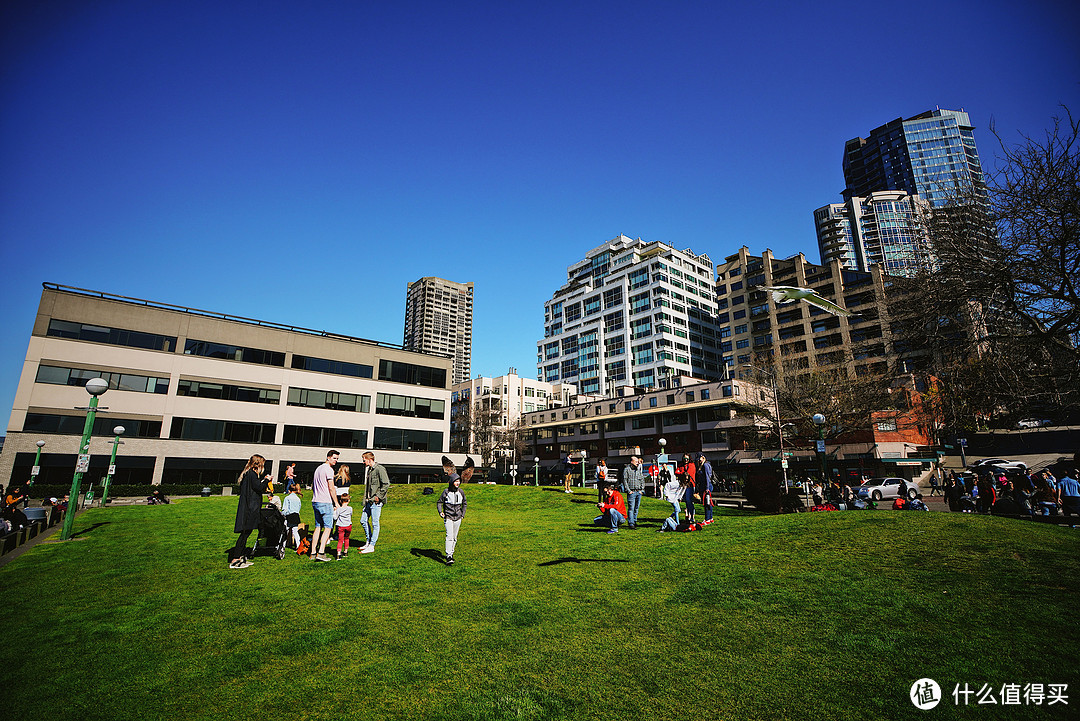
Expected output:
(438, 319)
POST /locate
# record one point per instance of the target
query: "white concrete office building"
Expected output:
(631, 312)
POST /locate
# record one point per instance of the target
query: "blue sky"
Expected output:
(301, 162)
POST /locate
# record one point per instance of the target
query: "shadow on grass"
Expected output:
(575, 559)
(84, 531)
(428, 553)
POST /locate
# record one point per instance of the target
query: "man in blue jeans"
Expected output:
(634, 482)
(376, 486)
(323, 500)
(1068, 493)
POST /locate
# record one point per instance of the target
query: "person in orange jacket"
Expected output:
(612, 510)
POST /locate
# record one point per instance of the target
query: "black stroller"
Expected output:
(272, 531)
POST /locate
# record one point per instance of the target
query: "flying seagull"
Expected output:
(789, 294)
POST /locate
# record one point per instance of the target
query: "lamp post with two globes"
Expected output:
(96, 387)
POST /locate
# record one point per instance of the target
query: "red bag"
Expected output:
(304, 548)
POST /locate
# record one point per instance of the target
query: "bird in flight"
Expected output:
(790, 294)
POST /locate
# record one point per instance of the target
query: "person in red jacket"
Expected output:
(612, 510)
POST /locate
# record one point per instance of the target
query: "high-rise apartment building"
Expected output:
(438, 319)
(631, 313)
(931, 155)
(886, 228)
(893, 177)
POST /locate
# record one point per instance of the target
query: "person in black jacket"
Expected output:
(252, 486)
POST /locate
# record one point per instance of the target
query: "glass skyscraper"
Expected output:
(931, 155)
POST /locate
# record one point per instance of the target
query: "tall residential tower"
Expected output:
(893, 178)
(438, 319)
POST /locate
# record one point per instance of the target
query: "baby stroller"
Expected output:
(272, 530)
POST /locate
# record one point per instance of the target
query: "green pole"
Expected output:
(84, 450)
(37, 464)
(112, 465)
(821, 437)
(583, 471)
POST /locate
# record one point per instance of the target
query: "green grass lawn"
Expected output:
(816, 615)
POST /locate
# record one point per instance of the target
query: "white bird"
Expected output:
(790, 294)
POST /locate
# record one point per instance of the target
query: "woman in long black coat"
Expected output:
(252, 487)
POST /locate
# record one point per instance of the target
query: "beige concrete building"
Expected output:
(799, 337)
(199, 392)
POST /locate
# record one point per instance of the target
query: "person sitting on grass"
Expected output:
(672, 494)
(612, 510)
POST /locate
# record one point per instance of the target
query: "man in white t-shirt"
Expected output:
(323, 501)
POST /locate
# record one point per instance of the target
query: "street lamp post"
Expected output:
(584, 455)
(536, 478)
(36, 470)
(661, 458)
(819, 421)
(95, 387)
(118, 431)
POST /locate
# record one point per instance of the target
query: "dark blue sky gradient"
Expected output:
(301, 162)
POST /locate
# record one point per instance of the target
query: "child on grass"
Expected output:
(343, 518)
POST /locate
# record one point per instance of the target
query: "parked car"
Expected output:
(877, 489)
(984, 464)
(1033, 422)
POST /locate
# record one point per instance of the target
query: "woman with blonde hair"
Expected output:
(252, 486)
(342, 480)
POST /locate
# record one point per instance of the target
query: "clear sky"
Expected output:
(301, 162)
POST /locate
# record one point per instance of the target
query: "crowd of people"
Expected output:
(330, 503)
(690, 485)
(1036, 493)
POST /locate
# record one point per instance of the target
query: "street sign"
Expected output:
(83, 464)
(112, 470)
(35, 471)
(821, 446)
(962, 442)
(783, 463)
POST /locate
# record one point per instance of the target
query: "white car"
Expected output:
(985, 464)
(878, 488)
(1034, 423)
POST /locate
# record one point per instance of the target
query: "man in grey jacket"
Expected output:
(376, 486)
(634, 480)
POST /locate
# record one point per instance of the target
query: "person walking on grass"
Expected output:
(376, 486)
(634, 481)
(323, 500)
(252, 487)
(452, 504)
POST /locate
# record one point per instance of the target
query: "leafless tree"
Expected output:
(998, 319)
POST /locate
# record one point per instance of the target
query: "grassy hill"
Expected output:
(823, 615)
